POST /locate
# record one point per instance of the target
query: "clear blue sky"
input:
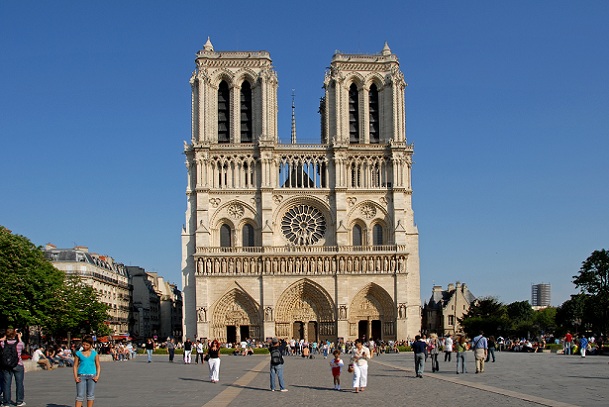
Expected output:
(507, 104)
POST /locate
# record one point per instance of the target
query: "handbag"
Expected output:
(206, 357)
(350, 368)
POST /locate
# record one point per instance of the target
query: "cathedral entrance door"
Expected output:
(298, 330)
(312, 331)
(231, 333)
(244, 330)
(362, 329)
(376, 332)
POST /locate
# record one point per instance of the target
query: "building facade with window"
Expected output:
(541, 295)
(311, 241)
(107, 277)
(442, 312)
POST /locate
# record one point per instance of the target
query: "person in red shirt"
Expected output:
(568, 342)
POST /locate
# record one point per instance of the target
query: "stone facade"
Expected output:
(445, 307)
(156, 306)
(313, 241)
(108, 278)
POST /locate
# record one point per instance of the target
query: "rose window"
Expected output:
(303, 225)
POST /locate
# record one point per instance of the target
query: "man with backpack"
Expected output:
(277, 365)
(12, 366)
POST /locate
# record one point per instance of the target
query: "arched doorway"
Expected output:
(373, 313)
(305, 311)
(236, 317)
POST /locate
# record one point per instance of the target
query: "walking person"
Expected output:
(583, 345)
(448, 348)
(461, 347)
(480, 347)
(419, 347)
(359, 357)
(187, 351)
(149, 349)
(276, 365)
(568, 343)
(213, 359)
(12, 366)
(86, 372)
(434, 350)
(171, 349)
(200, 349)
(492, 344)
(337, 366)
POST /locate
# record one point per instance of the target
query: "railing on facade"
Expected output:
(298, 249)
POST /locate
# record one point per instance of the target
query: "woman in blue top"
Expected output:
(86, 372)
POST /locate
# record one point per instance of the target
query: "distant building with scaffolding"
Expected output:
(541, 295)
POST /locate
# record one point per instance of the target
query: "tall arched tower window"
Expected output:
(374, 114)
(357, 235)
(247, 235)
(353, 114)
(246, 112)
(223, 113)
(377, 235)
(225, 236)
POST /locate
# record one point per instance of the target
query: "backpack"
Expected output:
(276, 358)
(9, 357)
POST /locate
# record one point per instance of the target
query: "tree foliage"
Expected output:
(593, 281)
(33, 292)
(29, 284)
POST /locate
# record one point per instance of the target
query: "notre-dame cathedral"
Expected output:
(312, 241)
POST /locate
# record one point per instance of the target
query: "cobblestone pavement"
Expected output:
(515, 380)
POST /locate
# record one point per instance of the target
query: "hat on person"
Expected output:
(275, 340)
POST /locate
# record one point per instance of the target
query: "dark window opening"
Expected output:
(223, 113)
(353, 115)
(246, 113)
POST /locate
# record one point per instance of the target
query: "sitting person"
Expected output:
(39, 358)
(65, 357)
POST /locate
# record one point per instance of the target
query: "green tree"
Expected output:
(593, 279)
(520, 311)
(572, 313)
(545, 319)
(29, 284)
(81, 310)
(485, 314)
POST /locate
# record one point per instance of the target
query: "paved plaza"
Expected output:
(516, 379)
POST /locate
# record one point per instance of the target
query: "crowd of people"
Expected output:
(83, 356)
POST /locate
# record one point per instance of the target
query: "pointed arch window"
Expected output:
(353, 114)
(377, 235)
(246, 112)
(357, 235)
(374, 114)
(247, 235)
(223, 113)
(225, 236)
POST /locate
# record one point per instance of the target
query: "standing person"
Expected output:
(568, 343)
(461, 347)
(213, 356)
(480, 347)
(492, 344)
(149, 349)
(337, 366)
(276, 365)
(434, 350)
(12, 366)
(171, 348)
(448, 348)
(359, 357)
(86, 372)
(419, 347)
(187, 351)
(583, 345)
(200, 349)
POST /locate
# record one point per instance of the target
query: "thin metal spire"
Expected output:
(293, 119)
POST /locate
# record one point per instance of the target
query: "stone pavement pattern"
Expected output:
(515, 380)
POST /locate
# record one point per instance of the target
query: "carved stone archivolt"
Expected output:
(235, 308)
(305, 301)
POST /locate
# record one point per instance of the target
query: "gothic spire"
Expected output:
(293, 119)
